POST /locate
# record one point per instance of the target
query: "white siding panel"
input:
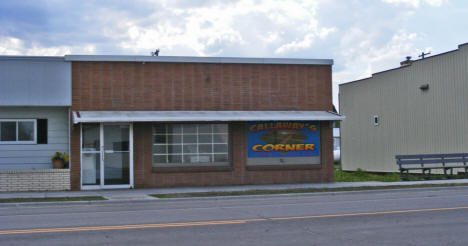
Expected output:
(26, 154)
(35, 81)
(25, 160)
(31, 147)
(412, 121)
(35, 156)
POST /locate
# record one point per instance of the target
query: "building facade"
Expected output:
(189, 118)
(418, 108)
(145, 122)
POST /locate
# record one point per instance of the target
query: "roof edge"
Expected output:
(400, 67)
(194, 59)
(33, 58)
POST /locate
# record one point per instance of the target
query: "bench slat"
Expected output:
(420, 168)
(431, 161)
(431, 156)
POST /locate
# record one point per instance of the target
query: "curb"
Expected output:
(32, 204)
(155, 199)
(320, 193)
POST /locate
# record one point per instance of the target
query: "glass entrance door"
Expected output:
(90, 155)
(116, 155)
(106, 156)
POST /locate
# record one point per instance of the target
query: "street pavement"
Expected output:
(424, 216)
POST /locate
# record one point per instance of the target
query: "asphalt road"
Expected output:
(436, 216)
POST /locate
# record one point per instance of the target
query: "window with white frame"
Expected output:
(14, 131)
(190, 143)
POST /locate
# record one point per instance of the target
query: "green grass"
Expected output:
(53, 199)
(291, 191)
(361, 176)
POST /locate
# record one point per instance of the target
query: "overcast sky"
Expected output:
(362, 36)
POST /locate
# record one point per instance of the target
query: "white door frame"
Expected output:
(102, 160)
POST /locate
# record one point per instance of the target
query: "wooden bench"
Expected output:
(428, 162)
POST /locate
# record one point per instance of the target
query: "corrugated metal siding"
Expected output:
(35, 82)
(411, 121)
(35, 156)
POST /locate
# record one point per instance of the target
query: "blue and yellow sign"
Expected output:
(283, 139)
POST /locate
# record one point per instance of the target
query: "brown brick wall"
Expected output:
(192, 86)
(146, 178)
(75, 156)
(189, 86)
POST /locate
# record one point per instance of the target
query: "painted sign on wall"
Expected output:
(283, 139)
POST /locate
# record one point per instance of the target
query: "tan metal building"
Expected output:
(418, 108)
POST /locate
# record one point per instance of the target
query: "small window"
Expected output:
(17, 131)
(190, 144)
(376, 120)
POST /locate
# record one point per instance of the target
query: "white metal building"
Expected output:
(418, 108)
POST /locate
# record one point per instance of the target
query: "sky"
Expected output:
(361, 36)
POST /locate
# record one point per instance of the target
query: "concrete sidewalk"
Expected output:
(143, 194)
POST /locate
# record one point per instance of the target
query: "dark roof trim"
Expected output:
(32, 58)
(193, 59)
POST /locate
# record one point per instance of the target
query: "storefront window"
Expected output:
(190, 143)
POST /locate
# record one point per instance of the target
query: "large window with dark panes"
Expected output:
(190, 144)
(17, 131)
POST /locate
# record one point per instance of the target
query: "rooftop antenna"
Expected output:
(424, 54)
(155, 53)
(406, 62)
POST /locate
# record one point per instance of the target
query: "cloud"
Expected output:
(363, 54)
(14, 46)
(176, 27)
(203, 30)
(10, 46)
(306, 42)
(192, 30)
(416, 3)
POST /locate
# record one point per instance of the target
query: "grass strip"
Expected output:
(292, 191)
(53, 199)
(363, 176)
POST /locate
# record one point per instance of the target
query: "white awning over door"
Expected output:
(197, 116)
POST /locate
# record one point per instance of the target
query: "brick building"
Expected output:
(183, 121)
(141, 122)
